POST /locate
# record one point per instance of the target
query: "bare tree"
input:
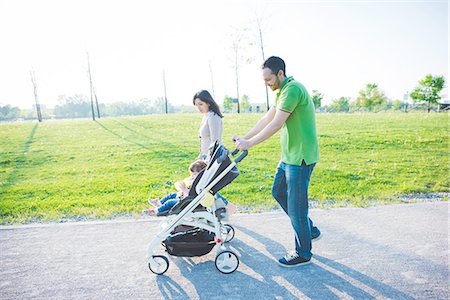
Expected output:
(261, 45)
(91, 88)
(239, 40)
(96, 102)
(236, 67)
(212, 79)
(165, 93)
(38, 107)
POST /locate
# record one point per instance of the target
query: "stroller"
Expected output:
(194, 226)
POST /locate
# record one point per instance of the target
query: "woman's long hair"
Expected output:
(206, 97)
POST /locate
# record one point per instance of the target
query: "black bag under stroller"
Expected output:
(189, 242)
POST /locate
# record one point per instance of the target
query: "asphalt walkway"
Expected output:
(383, 252)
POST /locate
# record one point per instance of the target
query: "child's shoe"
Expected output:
(149, 212)
(155, 202)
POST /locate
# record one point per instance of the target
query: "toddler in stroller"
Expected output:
(163, 206)
(194, 226)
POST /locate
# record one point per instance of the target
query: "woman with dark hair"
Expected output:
(210, 131)
(211, 128)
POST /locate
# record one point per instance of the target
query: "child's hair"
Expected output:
(197, 166)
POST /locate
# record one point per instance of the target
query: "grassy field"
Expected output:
(82, 169)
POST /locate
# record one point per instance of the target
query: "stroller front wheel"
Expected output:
(159, 265)
(228, 233)
(227, 261)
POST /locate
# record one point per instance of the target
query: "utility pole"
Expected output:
(38, 107)
(91, 88)
(165, 93)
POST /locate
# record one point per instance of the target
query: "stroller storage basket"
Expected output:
(194, 242)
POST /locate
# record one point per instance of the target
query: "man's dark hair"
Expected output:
(205, 96)
(275, 64)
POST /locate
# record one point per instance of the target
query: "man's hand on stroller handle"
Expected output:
(241, 143)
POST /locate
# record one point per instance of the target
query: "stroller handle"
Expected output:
(240, 157)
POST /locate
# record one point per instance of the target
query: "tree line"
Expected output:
(370, 99)
(79, 106)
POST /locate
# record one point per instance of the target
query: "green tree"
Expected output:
(245, 103)
(429, 89)
(8, 112)
(341, 105)
(227, 104)
(317, 98)
(371, 97)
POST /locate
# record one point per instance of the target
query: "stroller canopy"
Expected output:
(217, 164)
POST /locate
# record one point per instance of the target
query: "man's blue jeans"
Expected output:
(290, 190)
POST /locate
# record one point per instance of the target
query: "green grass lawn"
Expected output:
(83, 169)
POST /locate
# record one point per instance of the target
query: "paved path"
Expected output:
(396, 251)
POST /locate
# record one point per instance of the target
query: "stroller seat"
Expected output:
(180, 206)
(218, 163)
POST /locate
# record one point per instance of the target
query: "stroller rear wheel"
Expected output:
(227, 261)
(228, 233)
(160, 265)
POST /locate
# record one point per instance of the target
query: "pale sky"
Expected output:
(336, 47)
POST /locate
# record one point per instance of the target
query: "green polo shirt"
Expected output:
(298, 134)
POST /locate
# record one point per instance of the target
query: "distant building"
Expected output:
(444, 103)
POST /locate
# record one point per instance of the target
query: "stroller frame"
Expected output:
(226, 261)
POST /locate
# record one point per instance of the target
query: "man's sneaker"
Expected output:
(293, 260)
(149, 212)
(315, 234)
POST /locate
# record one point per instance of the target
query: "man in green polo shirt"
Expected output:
(294, 114)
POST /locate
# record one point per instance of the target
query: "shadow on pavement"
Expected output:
(259, 276)
(326, 279)
(170, 289)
